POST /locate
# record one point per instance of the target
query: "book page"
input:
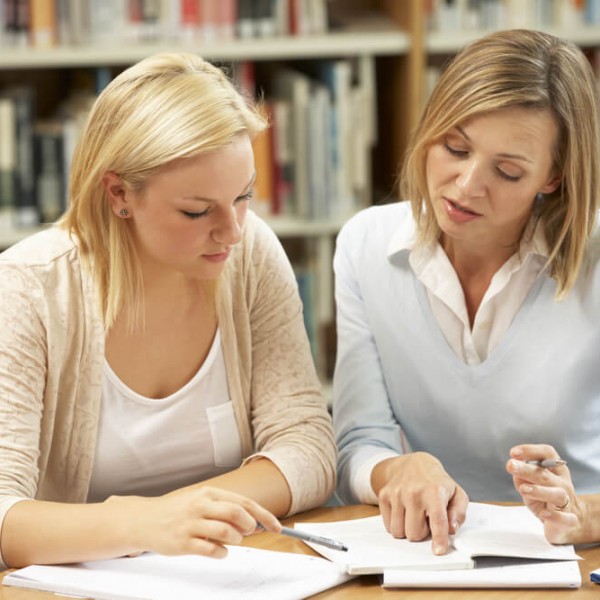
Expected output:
(246, 573)
(507, 531)
(371, 548)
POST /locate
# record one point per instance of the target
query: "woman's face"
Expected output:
(483, 175)
(191, 212)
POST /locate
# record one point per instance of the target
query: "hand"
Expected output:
(548, 493)
(192, 520)
(417, 497)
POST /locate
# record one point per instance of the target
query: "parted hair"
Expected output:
(165, 107)
(530, 69)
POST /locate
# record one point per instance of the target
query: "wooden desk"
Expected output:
(366, 587)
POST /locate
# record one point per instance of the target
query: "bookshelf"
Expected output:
(379, 33)
(395, 36)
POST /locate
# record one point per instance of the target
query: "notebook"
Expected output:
(246, 574)
(501, 531)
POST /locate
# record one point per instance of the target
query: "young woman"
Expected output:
(469, 317)
(156, 384)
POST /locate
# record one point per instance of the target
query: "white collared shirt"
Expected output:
(499, 306)
(508, 288)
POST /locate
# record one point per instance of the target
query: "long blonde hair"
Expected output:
(526, 69)
(166, 107)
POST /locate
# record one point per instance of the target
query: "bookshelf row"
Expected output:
(468, 15)
(47, 23)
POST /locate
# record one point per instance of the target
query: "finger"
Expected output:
(385, 508)
(533, 452)
(438, 523)
(262, 516)
(457, 509)
(204, 547)
(231, 513)
(216, 531)
(398, 520)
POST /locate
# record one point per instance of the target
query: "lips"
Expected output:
(461, 208)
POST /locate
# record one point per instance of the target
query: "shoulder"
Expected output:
(40, 249)
(376, 223)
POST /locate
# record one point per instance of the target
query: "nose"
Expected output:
(471, 180)
(228, 228)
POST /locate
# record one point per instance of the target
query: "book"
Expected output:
(491, 573)
(246, 572)
(500, 531)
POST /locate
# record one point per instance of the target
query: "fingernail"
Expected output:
(526, 489)
(438, 549)
(517, 452)
(545, 514)
(455, 526)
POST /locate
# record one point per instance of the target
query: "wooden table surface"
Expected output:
(366, 587)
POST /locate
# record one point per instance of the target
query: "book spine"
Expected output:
(42, 25)
(8, 161)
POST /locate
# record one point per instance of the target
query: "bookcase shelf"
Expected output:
(340, 44)
(448, 42)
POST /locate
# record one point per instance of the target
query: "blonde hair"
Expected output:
(531, 69)
(166, 107)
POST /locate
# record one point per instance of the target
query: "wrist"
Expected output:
(125, 515)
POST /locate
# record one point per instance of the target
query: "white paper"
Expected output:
(371, 548)
(488, 531)
(507, 531)
(555, 574)
(246, 574)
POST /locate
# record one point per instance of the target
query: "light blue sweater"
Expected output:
(395, 370)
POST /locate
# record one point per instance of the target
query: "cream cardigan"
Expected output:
(52, 350)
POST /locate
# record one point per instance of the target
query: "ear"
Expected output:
(115, 191)
(551, 184)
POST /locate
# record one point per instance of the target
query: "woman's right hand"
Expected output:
(417, 498)
(192, 520)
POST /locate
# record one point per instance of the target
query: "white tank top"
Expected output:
(148, 447)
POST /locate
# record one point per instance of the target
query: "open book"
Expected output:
(246, 573)
(489, 531)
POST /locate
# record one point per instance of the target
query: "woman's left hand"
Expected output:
(548, 493)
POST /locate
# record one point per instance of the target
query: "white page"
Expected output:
(507, 531)
(246, 574)
(371, 548)
(556, 574)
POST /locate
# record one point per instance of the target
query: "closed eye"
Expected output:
(455, 151)
(195, 215)
(506, 176)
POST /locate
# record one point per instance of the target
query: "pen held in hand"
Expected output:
(547, 463)
(315, 539)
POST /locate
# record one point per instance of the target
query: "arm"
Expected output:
(291, 426)
(187, 521)
(415, 494)
(550, 495)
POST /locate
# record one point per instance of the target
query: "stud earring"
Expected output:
(123, 213)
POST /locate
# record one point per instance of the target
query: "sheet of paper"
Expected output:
(491, 530)
(556, 574)
(247, 574)
(371, 548)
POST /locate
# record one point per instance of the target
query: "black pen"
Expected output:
(547, 463)
(315, 539)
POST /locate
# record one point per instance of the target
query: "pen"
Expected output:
(547, 463)
(315, 539)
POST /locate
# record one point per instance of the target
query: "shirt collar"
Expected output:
(532, 242)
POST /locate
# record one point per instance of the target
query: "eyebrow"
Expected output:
(502, 154)
(244, 192)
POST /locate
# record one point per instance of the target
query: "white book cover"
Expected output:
(491, 574)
